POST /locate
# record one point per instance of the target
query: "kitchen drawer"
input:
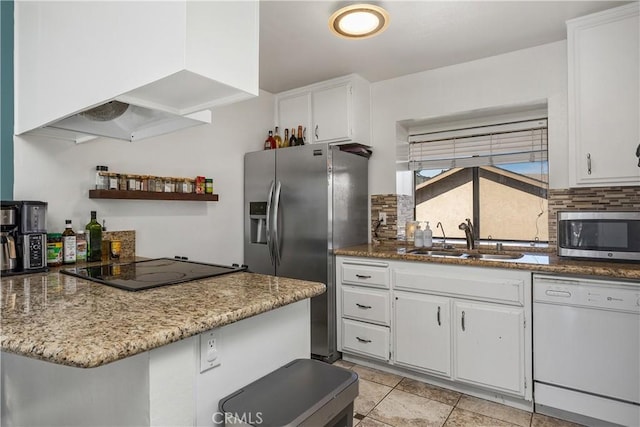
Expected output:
(366, 339)
(365, 274)
(493, 285)
(366, 304)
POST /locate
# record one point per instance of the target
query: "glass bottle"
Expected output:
(292, 140)
(270, 143)
(94, 239)
(81, 246)
(68, 243)
(285, 141)
(299, 138)
(277, 138)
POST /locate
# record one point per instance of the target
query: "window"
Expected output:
(495, 175)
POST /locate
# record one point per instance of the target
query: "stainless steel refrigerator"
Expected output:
(301, 203)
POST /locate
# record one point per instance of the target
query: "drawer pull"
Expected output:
(360, 276)
(363, 340)
(439, 324)
(366, 307)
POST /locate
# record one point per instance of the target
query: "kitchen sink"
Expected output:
(467, 255)
(429, 252)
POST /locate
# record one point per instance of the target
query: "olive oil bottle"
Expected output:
(94, 239)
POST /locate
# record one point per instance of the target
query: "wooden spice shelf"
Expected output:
(149, 195)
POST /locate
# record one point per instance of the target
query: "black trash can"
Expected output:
(305, 392)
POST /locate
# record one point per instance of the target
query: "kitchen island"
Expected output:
(142, 349)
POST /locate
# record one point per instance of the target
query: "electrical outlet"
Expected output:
(382, 217)
(210, 350)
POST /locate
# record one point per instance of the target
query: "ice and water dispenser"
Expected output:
(258, 219)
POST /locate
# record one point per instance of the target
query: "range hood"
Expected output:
(116, 119)
(95, 69)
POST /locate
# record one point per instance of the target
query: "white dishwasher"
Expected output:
(586, 349)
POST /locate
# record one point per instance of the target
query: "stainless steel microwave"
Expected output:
(599, 234)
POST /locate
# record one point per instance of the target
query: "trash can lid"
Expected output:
(290, 394)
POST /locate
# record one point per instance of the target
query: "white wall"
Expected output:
(520, 77)
(61, 173)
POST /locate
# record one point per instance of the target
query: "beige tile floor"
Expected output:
(388, 400)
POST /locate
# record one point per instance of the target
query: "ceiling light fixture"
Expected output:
(359, 21)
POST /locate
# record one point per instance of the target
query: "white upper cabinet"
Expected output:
(295, 109)
(336, 110)
(604, 97)
(178, 57)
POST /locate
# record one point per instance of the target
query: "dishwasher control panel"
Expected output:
(601, 294)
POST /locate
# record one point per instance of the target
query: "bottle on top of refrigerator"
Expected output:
(418, 239)
(428, 236)
(68, 243)
(94, 239)
(276, 137)
(292, 140)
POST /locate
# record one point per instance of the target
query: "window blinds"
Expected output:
(516, 142)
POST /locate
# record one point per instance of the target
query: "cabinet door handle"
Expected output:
(360, 276)
(363, 340)
(439, 324)
(316, 132)
(363, 306)
(463, 320)
(589, 163)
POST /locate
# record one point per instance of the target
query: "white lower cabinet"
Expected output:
(489, 345)
(463, 326)
(422, 332)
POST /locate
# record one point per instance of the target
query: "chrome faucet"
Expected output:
(444, 236)
(468, 232)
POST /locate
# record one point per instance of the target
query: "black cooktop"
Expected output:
(139, 275)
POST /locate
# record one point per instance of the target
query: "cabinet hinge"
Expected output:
(525, 324)
(351, 90)
(525, 383)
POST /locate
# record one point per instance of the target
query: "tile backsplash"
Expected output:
(399, 208)
(127, 238)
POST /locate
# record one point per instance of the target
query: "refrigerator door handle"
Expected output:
(276, 237)
(269, 228)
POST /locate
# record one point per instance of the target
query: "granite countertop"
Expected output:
(70, 321)
(537, 261)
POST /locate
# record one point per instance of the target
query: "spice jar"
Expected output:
(179, 185)
(169, 185)
(144, 182)
(191, 185)
(200, 185)
(122, 182)
(113, 181)
(159, 184)
(54, 249)
(102, 178)
(131, 182)
(208, 186)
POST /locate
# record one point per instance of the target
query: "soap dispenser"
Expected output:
(427, 236)
(419, 237)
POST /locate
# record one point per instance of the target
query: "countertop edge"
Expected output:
(602, 269)
(164, 336)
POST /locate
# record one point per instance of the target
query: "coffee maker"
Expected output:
(24, 236)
